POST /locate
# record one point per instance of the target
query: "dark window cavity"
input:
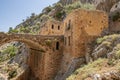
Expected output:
(52, 26)
(57, 45)
(58, 27)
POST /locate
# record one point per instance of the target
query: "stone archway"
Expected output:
(35, 55)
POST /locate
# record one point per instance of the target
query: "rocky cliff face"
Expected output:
(15, 68)
(105, 5)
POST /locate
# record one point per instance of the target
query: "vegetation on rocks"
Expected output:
(8, 53)
(100, 66)
(76, 5)
(12, 74)
(106, 56)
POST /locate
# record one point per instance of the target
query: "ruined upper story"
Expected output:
(52, 27)
(93, 21)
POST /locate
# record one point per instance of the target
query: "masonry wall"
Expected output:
(81, 28)
(52, 60)
(45, 64)
(68, 43)
(34, 62)
(84, 24)
(52, 27)
(88, 23)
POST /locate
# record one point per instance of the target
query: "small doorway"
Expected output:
(57, 45)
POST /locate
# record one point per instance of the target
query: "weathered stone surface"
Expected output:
(115, 18)
(100, 51)
(52, 27)
(111, 75)
(105, 5)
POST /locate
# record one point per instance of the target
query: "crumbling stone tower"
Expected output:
(81, 27)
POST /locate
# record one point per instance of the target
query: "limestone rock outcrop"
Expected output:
(105, 5)
(108, 47)
(111, 75)
(115, 18)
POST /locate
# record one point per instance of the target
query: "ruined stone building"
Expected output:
(52, 27)
(64, 43)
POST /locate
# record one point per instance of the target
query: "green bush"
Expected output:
(11, 30)
(12, 74)
(10, 50)
(59, 15)
(118, 54)
(48, 42)
(59, 11)
(111, 62)
(100, 40)
(70, 7)
(76, 5)
(88, 6)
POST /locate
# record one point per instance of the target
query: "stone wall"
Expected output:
(82, 24)
(44, 60)
(52, 60)
(52, 27)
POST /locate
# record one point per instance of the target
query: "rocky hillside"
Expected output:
(105, 58)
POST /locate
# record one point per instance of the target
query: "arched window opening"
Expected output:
(52, 26)
(58, 27)
(57, 45)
